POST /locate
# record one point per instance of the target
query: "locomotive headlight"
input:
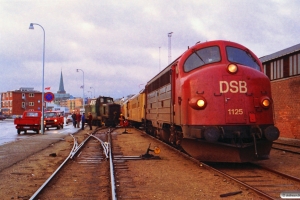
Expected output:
(198, 103)
(265, 102)
(232, 68)
(55, 120)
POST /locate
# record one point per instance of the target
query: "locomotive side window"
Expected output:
(202, 57)
(242, 57)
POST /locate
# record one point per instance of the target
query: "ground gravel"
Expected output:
(27, 163)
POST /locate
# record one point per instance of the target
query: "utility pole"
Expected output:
(170, 55)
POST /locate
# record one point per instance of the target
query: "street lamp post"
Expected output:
(94, 91)
(42, 119)
(82, 86)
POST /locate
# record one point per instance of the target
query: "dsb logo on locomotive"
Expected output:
(233, 86)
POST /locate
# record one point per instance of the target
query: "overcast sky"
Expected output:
(120, 45)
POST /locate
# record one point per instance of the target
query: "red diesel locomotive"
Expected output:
(215, 102)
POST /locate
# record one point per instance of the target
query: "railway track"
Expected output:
(84, 173)
(125, 186)
(89, 175)
(268, 183)
(287, 147)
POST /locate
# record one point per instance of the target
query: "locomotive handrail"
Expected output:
(217, 94)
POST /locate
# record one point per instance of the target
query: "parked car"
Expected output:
(31, 120)
(69, 119)
(54, 119)
(2, 117)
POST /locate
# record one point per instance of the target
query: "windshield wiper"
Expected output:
(198, 55)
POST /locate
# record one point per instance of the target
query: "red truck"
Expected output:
(31, 120)
(54, 119)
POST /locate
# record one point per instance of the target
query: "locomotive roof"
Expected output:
(169, 66)
(280, 53)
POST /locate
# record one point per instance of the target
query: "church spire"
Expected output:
(61, 89)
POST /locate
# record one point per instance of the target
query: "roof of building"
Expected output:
(280, 53)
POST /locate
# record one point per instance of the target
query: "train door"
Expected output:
(234, 89)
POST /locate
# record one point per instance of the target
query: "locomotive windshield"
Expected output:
(242, 57)
(202, 57)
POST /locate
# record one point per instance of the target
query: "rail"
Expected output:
(112, 178)
(207, 166)
(75, 145)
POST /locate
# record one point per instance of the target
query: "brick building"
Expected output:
(283, 69)
(14, 103)
(72, 104)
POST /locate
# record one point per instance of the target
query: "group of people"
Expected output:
(77, 118)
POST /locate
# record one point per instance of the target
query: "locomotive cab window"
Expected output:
(242, 57)
(202, 57)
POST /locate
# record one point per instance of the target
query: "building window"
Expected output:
(23, 95)
(276, 69)
(31, 94)
(31, 103)
(294, 65)
(10, 94)
(23, 104)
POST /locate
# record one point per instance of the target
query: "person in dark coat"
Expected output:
(90, 118)
(74, 119)
(82, 121)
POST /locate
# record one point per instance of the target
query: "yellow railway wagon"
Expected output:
(136, 109)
